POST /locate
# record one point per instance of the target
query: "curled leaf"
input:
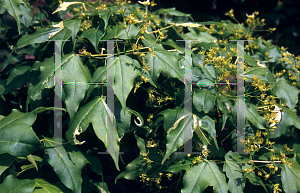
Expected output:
(140, 122)
(59, 25)
(176, 123)
(76, 132)
(277, 116)
(187, 24)
(197, 128)
(63, 6)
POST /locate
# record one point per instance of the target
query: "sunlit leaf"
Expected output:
(13, 8)
(14, 185)
(199, 177)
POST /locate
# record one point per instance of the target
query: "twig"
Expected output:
(264, 161)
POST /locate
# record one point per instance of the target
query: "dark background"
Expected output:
(283, 15)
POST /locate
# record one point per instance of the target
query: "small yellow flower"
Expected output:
(145, 154)
(151, 143)
(258, 133)
(143, 176)
(148, 160)
(276, 188)
(145, 3)
(134, 46)
(169, 175)
(157, 180)
(151, 116)
(153, 4)
(251, 16)
(145, 79)
(267, 176)
(160, 100)
(137, 85)
(146, 68)
(199, 159)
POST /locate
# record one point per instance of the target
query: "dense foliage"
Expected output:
(149, 66)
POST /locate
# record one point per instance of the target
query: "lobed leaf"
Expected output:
(16, 135)
(93, 112)
(199, 177)
(286, 93)
(14, 185)
(66, 166)
(290, 177)
(13, 8)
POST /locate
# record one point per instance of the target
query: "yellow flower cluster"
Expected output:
(121, 11)
(252, 21)
(230, 13)
(248, 170)
(150, 117)
(257, 83)
(200, 158)
(293, 64)
(84, 52)
(197, 159)
(102, 7)
(205, 151)
(154, 178)
(272, 170)
(85, 25)
(121, 2)
(254, 143)
(276, 188)
(151, 143)
(131, 19)
(251, 45)
(144, 178)
(145, 154)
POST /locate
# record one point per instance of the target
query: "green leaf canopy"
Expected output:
(16, 135)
